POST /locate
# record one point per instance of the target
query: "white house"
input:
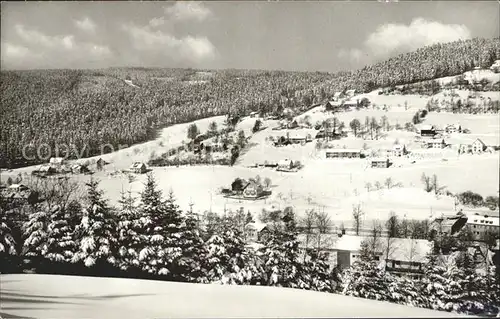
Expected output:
(398, 150)
(436, 143)
(138, 168)
(56, 161)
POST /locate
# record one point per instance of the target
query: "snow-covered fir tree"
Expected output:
(171, 244)
(97, 230)
(61, 242)
(316, 273)
(129, 233)
(7, 244)
(184, 238)
(36, 236)
(281, 262)
(223, 258)
(366, 278)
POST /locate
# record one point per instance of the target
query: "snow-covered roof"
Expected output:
(56, 160)
(426, 127)
(258, 226)
(398, 147)
(483, 220)
(379, 159)
(285, 162)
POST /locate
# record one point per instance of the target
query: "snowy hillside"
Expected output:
(49, 296)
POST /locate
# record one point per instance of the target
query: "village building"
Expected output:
(453, 128)
(298, 137)
(343, 153)
(45, 170)
(428, 130)
(256, 232)
(447, 225)
(100, 162)
(334, 106)
(467, 145)
(399, 150)
(337, 96)
(436, 143)
(350, 93)
(252, 190)
(380, 162)
(286, 165)
(79, 169)
(19, 194)
(480, 225)
(138, 168)
(349, 104)
(254, 114)
(56, 161)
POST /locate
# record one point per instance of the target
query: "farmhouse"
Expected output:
(467, 145)
(453, 128)
(297, 137)
(138, 168)
(252, 190)
(428, 130)
(350, 104)
(100, 162)
(350, 93)
(45, 170)
(19, 194)
(436, 143)
(56, 161)
(79, 169)
(285, 164)
(380, 162)
(343, 153)
(333, 106)
(337, 96)
(254, 114)
(255, 232)
(399, 150)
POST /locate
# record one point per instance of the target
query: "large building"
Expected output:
(398, 255)
(343, 153)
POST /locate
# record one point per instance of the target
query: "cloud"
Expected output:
(156, 22)
(32, 36)
(16, 52)
(50, 50)
(188, 10)
(192, 49)
(86, 25)
(391, 38)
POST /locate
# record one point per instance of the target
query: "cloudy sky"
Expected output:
(318, 36)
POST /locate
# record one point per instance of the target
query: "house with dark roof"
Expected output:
(138, 168)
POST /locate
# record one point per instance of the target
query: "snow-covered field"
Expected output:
(51, 296)
(325, 184)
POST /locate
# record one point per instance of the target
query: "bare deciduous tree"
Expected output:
(357, 215)
(426, 180)
(388, 183)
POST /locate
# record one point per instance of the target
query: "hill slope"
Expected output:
(49, 296)
(88, 109)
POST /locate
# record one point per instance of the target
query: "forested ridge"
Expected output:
(90, 108)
